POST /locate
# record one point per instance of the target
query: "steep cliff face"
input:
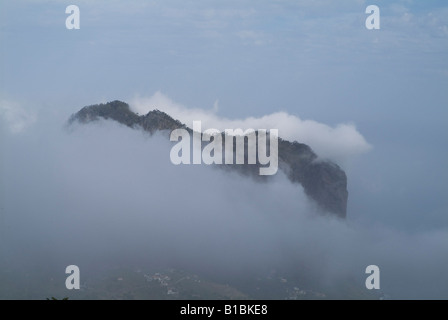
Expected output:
(323, 181)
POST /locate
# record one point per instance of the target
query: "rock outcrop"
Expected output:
(323, 181)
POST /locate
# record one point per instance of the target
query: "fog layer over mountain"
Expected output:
(103, 194)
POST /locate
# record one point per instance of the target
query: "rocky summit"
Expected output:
(323, 181)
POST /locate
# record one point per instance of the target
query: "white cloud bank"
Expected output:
(15, 117)
(337, 143)
(103, 195)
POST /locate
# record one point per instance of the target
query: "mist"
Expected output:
(101, 195)
(339, 143)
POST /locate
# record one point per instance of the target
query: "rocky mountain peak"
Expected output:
(323, 181)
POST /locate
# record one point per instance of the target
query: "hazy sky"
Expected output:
(231, 60)
(312, 59)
